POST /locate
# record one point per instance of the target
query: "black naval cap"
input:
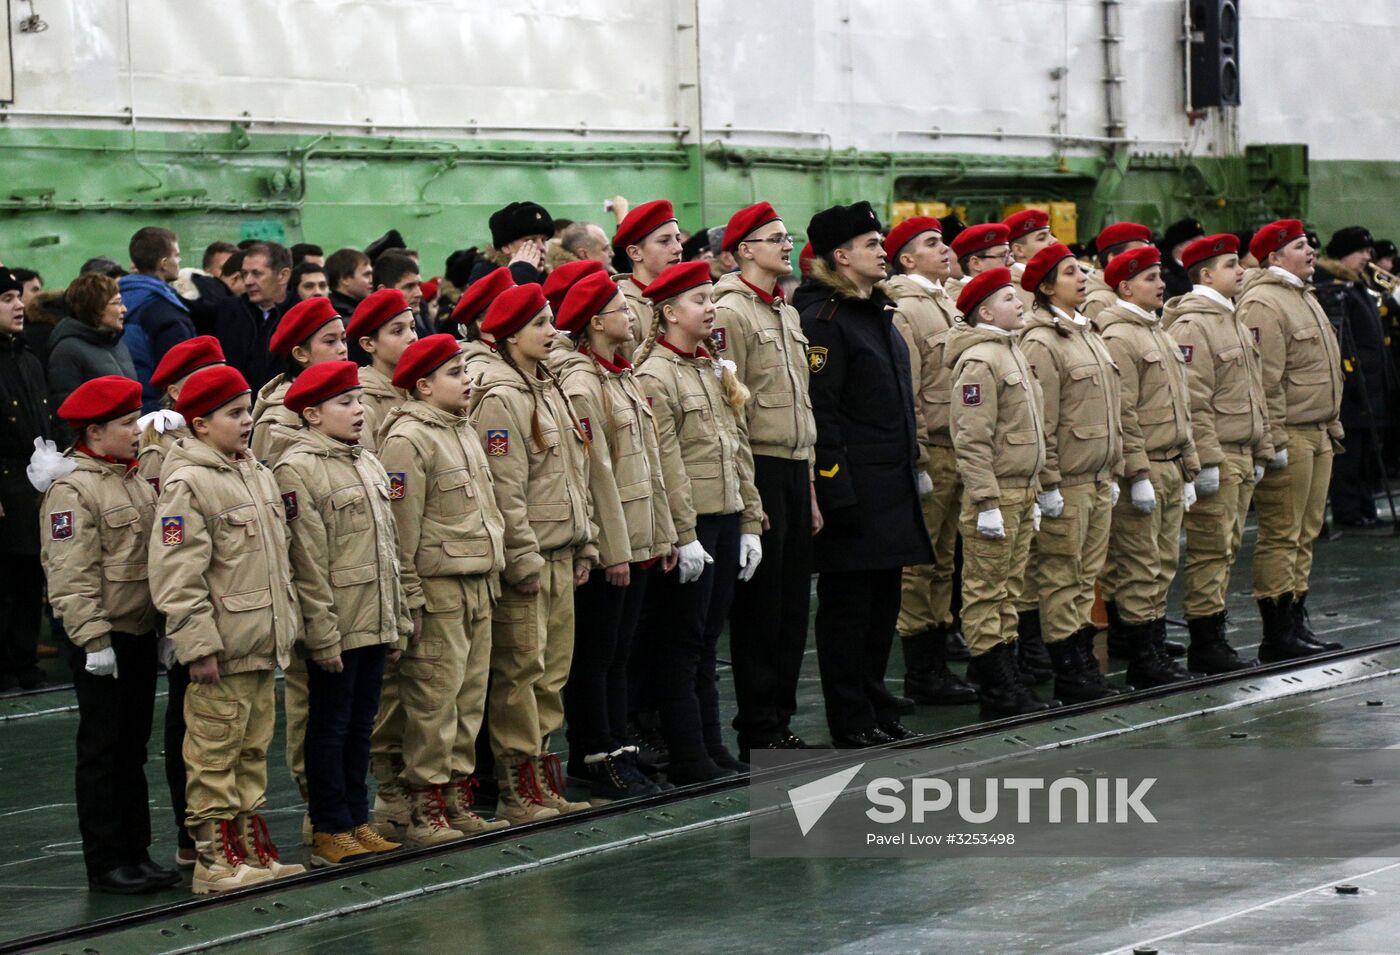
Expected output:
(1351, 239)
(1182, 230)
(840, 224)
(695, 246)
(385, 243)
(1384, 248)
(8, 282)
(518, 220)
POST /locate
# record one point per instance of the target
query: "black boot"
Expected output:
(1280, 639)
(1302, 631)
(1032, 659)
(999, 686)
(957, 645)
(927, 679)
(1209, 652)
(1120, 646)
(1150, 665)
(1077, 680)
(1084, 640)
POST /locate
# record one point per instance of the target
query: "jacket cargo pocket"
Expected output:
(236, 530)
(350, 510)
(1020, 437)
(1162, 414)
(213, 728)
(767, 348)
(771, 400)
(467, 548)
(515, 623)
(121, 528)
(125, 573)
(354, 576)
(1089, 432)
(549, 512)
(249, 600)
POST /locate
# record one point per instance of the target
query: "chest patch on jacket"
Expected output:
(498, 442)
(816, 358)
(398, 486)
(289, 505)
(61, 525)
(721, 338)
(972, 395)
(172, 531)
(1186, 351)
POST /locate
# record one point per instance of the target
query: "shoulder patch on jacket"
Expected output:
(498, 442)
(587, 427)
(972, 395)
(61, 525)
(289, 505)
(816, 358)
(172, 531)
(721, 337)
(398, 485)
(154, 483)
(1255, 332)
(1186, 351)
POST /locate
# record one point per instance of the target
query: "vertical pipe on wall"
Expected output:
(699, 119)
(1112, 40)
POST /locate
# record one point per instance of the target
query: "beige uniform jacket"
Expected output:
(1300, 358)
(150, 461)
(641, 312)
(997, 424)
(542, 489)
(444, 505)
(94, 538)
(274, 427)
(379, 398)
(1100, 296)
(1224, 377)
(705, 456)
(924, 317)
(477, 356)
(764, 340)
(1080, 398)
(1156, 404)
(218, 561)
(345, 559)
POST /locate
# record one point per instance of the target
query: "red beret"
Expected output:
(101, 399)
(642, 222)
(190, 355)
(424, 357)
(585, 300)
(980, 286)
(1023, 223)
(1127, 265)
(1043, 263)
(513, 309)
(1274, 236)
(976, 238)
(743, 223)
(208, 390)
(1121, 232)
(429, 288)
(563, 278)
(320, 382)
(906, 231)
(375, 311)
(678, 278)
(1208, 247)
(804, 259)
(481, 294)
(300, 323)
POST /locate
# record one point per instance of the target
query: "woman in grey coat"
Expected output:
(88, 343)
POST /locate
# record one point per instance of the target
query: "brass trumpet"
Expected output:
(1386, 280)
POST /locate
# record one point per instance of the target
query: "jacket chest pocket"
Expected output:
(1232, 377)
(455, 493)
(236, 530)
(768, 348)
(1086, 390)
(121, 529)
(1014, 391)
(696, 417)
(349, 512)
(627, 434)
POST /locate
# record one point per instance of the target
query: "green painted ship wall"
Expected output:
(72, 193)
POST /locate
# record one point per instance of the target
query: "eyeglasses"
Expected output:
(1003, 256)
(624, 310)
(782, 238)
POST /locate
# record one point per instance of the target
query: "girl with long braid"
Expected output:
(708, 471)
(538, 453)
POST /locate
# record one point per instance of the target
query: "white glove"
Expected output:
(925, 484)
(162, 420)
(1114, 493)
(1208, 481)
(102, 663)
(47, 464)
(989, 524)
(693, 559)
(1051, 503)
(165, 650)
(750, 553)
(1188, 494)
(1144, 498)
(1280, 460)
(1258, 473)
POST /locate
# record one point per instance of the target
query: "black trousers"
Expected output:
(177, 678)
(21, 605)
(856, 616)
(768, 625)
(595, 698)
(688, 695)
(114, 727)
(340, 719)
(1354, 479)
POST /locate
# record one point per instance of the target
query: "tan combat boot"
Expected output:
(521, 799)
(366, 836)
(262, 853)
(391, 810)
(461, 795)
(219, 859)
(550, 772)
(335, 848)
(428, 825)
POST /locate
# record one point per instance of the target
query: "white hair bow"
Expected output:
(47, 464)
(722, 364)
(163, 420)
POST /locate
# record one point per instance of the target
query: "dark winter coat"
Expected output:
(1368, 376)
(213, 293)
(78, 353)
(867, 446)
(157, 320)
(244, 333)
(24, 416)
(522, 272)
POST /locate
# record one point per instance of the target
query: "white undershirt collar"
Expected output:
(1078, 319)
(999, 331)
(1214, 296)
(924, 283)
(1287, 276)
(1137, 310)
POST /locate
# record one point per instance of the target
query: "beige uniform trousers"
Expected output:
(1070, 554)
(993, 571)
(531, 650)
(927, 599)
(228, 727)
(1290, 504)
(386, 743)
(1214, 528)
(1143, 548)
(442, 681)
(296, 698)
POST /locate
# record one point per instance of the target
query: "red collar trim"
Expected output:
(617, 366)
(128, 463)
(766, 297)
(698, 353)
(640, 286)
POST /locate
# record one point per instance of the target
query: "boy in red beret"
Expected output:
(650, 239)
(312, 331)
(94, 541)
(219, 573)
(382, 326)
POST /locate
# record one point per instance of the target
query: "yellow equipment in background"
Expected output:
(1064, 218)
